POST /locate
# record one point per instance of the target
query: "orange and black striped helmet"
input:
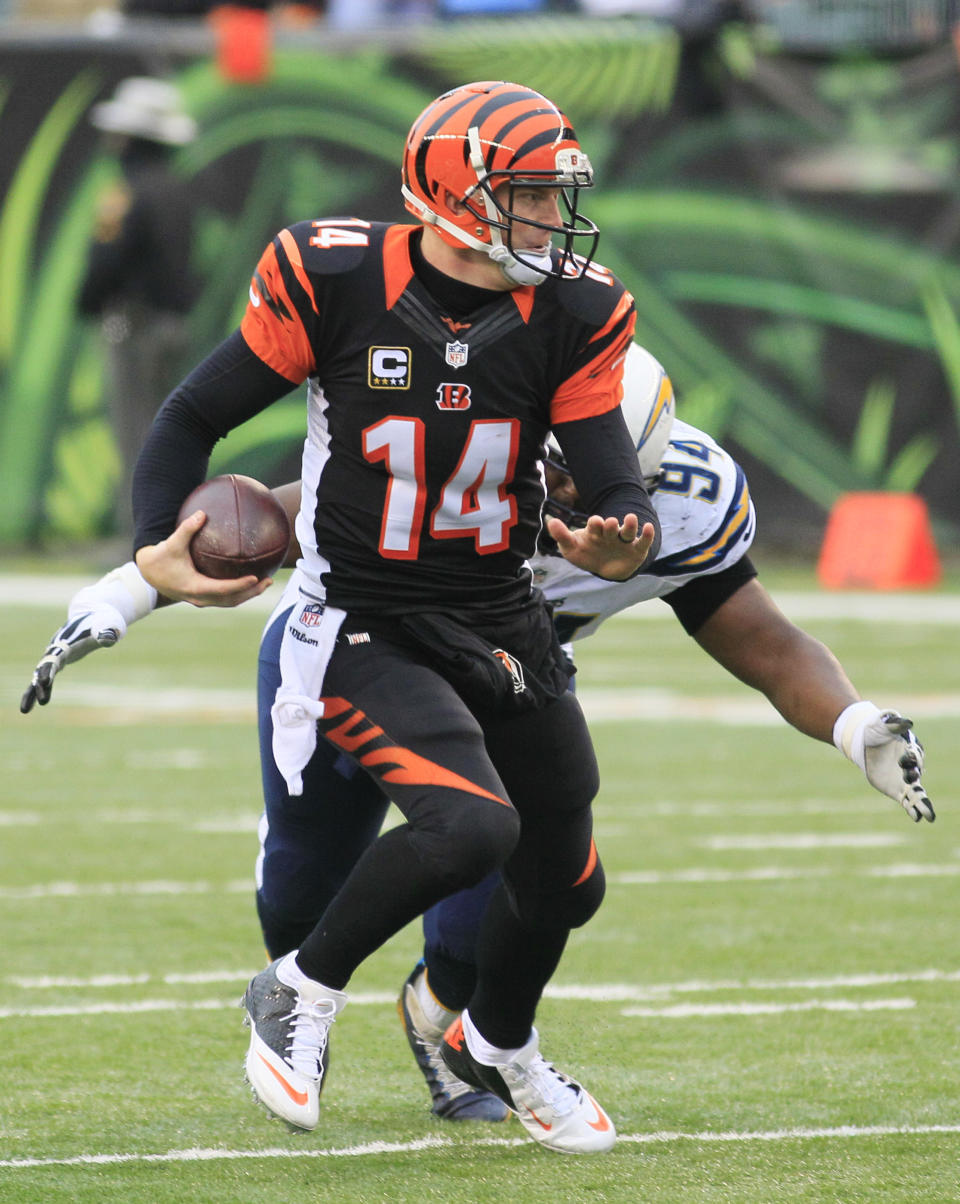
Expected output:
(474, 145)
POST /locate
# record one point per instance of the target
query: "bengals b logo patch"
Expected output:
(453, 397)
(513, 667)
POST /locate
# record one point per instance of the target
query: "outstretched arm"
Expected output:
(752, 638)
(605, 546)
(99, 614)
(755, 641)
(622, 534)
(97, 617)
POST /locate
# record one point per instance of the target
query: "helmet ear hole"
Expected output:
(448, 201)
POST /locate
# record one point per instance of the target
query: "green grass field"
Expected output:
(766, 1002)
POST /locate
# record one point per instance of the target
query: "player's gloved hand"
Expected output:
(97, 617)
(100, 628)
(884, 746)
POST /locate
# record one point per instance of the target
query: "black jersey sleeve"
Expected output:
(230, 386)
(603, 462)
(696, 601)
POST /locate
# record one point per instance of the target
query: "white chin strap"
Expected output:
(531, 270)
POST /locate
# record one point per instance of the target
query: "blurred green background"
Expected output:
(787, 220)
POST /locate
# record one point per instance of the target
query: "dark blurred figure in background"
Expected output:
(139, 281)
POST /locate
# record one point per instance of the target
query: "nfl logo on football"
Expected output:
(457, 354)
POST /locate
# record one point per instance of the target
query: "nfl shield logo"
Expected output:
(457, 354)
(311, 615)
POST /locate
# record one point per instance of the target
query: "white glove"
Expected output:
(97, 617)
(888, 752)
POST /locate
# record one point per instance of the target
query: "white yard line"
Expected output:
(128, 1008)
(375, 1148)
(246, 822)
(677, 1011)
(570, 992)
(120, 704)
(594, 993)
(37, 589)
(693, 874)
(686, 1011)
(86, 890)
(730, 710)
(777, 873)
(803, 840)
(855, 605)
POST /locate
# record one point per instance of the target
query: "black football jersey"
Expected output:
(422, 475)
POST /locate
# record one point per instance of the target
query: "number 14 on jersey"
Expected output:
(474, 502)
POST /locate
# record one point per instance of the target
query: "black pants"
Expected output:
(479, 790)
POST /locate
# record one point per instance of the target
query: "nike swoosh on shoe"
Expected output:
(298, 1097)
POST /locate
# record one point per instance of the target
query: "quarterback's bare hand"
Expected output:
(605, 546)
(884, 746)
(169, 568)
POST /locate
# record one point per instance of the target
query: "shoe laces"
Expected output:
(309, 1029)
(540, 1078)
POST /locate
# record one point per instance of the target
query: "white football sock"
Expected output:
(309, 989)
(437, 1016)
(487, 1054)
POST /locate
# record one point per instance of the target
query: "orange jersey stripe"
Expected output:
(524, 298)
(296, 262)
(409, 769)
(591, 863)
(271, 325)
(397, 268)
(598, 386)
(413, 770)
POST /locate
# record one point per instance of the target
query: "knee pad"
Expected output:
(282, 931)
(470, 841)
(568, 908)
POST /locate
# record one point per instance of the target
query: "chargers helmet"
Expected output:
(649, 408)
(475, 138)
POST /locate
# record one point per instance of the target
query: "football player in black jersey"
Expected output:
(312, 842)
(437, 356)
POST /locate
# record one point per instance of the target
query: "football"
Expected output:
(247, 530)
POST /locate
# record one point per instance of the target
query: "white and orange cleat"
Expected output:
(555, 1110)
(288, 1053)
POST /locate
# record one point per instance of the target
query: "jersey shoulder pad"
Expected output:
(592, 298)
(330, 246)
(688, 438)
(704, 506)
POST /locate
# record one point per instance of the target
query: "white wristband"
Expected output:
(849, 728)
(124, 588)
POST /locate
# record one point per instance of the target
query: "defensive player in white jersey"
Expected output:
(703, 571)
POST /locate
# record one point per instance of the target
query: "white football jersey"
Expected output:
(707, 522)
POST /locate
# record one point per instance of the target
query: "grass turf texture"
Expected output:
(137, 791)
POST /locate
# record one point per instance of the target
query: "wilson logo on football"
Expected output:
(311, 615)
(453, 397)
(513, 667)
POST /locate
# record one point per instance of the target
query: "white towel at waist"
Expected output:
(309, 635)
